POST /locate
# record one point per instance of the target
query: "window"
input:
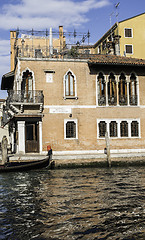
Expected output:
(70, 129)
(124, 129)
(112, 93)
(129, 49)
(128, 32)
(70, 85)
(101, 90)
(122, 90)
(118, 128)
(102, 128)
(134, 129)
(113, 128)
(133, 90)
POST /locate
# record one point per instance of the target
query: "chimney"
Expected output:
(61, 37)
(50, 42)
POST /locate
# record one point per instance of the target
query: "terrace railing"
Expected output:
(22, 96)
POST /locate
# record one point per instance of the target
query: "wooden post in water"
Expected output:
(4, 146)
(108, 149)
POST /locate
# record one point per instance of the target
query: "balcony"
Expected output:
(26, 97)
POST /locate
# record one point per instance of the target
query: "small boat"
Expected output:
(25, 165)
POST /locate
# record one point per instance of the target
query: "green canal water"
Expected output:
(84, 203)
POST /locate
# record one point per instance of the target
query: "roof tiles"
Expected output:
(115, 60)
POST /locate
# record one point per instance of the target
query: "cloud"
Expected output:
(4, 57)
(45, 13)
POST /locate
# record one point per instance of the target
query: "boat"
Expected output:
(25, 165)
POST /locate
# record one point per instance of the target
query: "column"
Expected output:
(128, 102)
(117, 92)
(106, 92)
(21, 137)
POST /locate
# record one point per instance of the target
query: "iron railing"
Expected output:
(122, 100)
(44, 52)
(112, 100)
(22, 96)
(101, 100)
(133, 100)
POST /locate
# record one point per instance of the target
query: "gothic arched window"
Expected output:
(112, 92)
(101, 90)
(133, 90)
(122, 90)
(69, 85)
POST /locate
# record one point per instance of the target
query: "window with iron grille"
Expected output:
(102, 128)
(129, 49)
(113, 128)
(70, 129)
(124, 129)
(134, 129)
(128, 32)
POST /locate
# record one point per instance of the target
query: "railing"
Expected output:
(101, 100)
(122, 100)
(43, 52)
(112, 100)
(133, 100)
(23, 96)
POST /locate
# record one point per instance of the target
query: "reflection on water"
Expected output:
(73, 204)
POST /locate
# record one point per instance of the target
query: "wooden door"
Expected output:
(32, 137)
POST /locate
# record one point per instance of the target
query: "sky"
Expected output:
(97, 16)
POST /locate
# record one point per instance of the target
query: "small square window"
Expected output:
(128, 32)
(129, 49)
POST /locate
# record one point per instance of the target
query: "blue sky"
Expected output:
(81, 15)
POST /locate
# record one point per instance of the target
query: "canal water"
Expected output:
(84, 203)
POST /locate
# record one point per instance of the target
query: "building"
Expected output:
(3, 130)
(125, 38)
(70, 102)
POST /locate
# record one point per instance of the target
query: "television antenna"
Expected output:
(117, 13)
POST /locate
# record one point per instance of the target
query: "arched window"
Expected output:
(102, 128)
(27, 86)
(134, 129)
(124, 129)
(112, 93)
(122, 90)
(69, 85)
(101, 90)
(133, 90)
(113, 128)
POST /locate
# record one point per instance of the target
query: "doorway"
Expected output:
(32, 137)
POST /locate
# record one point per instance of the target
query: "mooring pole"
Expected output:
(108, 149)
(4, 150)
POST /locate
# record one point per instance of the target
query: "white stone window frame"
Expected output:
(118, 121)
(75, 86)
(132, 49)
(70, 120)
(106, 79)
(131, 32)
